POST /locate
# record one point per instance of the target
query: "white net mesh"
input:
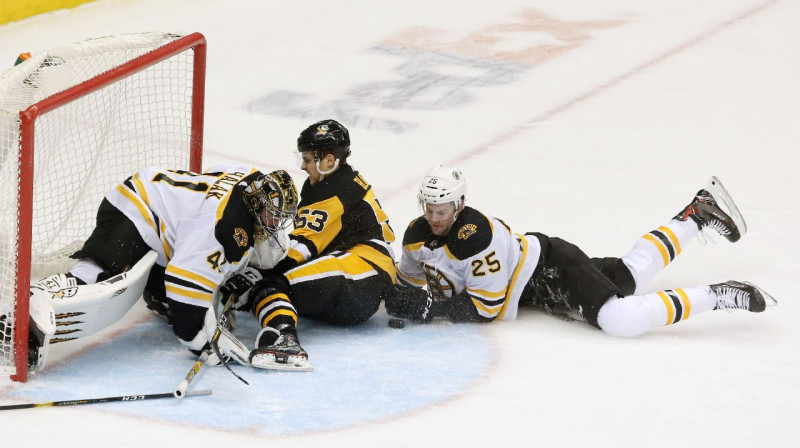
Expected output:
(84, 147)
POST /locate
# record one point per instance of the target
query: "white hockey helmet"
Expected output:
(443, 185)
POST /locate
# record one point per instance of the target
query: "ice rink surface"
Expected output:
(592, 121)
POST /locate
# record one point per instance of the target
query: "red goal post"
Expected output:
(88, 115)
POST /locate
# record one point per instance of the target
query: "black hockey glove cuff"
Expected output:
(409, 302)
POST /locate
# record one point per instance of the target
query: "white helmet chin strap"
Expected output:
(455, 215)
(322, 174)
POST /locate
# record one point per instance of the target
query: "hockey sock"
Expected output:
(634, 315)
(655, 250)
(672, 306)
(274, 309)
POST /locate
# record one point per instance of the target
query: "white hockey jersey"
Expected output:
(479, 255)
(198, 224)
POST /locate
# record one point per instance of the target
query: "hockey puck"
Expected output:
(397, 323)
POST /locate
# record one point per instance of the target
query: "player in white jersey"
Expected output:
(477, 270)
(173, 236)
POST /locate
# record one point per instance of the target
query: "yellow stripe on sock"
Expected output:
(660, 246)
(269, 299)
(279, 312)
(672, 237)
(687, 305)
(668, 305)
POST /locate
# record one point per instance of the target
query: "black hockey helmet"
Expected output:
(325, 135)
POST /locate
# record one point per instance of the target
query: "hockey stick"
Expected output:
(102, 400)
(180, 391)
(218, 333)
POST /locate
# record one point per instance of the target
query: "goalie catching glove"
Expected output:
(410, 302)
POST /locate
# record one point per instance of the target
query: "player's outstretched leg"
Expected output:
(706, 211)
(635, 315)
(655, 250)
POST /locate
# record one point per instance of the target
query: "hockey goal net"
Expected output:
(75, 121)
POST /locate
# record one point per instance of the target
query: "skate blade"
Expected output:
(721, 195)
(268, 361)
(768, 299)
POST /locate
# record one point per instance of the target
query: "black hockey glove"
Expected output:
(409, 302)
(238, 285)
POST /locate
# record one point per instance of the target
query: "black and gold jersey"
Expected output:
(341, 214)
(479, 257)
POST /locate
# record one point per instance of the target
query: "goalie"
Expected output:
(477, 270)
(173, 237)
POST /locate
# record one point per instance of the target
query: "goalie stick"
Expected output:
(180, 391)
(218, 333)
(193, 393)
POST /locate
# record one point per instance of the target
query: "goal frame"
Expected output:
(194, 41)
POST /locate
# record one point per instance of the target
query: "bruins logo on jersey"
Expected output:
(466, 231)
(240, 236)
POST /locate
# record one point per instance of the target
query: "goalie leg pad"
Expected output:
(41, 328)
(82, 310)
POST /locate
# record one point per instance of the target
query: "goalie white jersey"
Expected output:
(479, 257)
(198, 224)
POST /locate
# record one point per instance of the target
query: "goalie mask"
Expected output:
(443, 185)
(272, 200)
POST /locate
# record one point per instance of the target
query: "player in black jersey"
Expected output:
(477, 270)
(340, 264)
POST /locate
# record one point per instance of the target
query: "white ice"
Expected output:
(593, 121)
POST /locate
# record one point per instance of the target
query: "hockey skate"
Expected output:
(283, 354)
(733, 295)
(706, 212)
